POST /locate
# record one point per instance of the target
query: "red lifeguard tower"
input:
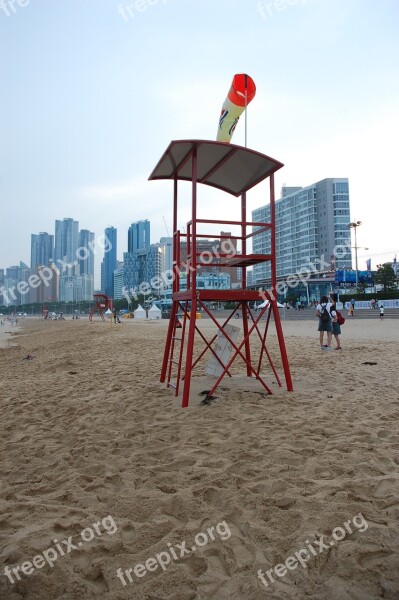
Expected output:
(234, 170)
(102, 303)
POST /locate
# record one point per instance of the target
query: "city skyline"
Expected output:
(104, 104)
(141, 229)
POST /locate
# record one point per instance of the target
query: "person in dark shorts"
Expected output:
(323, 312)
(336, 327)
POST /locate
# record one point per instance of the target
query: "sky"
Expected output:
(93, 91)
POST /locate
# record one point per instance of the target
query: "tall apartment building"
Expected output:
(86, 252)
(136, 259)
(86, 262)
(74, 259)
(49, 286)
(66, 241)
(213, 246)
(110, 261)
(310, 223)
(167, 242)
(15, 289)
(118, 282)
(138, 236)
(42, 249)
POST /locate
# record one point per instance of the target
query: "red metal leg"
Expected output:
(189, 354)
(166, 353)
(283, 351)
(247, 343)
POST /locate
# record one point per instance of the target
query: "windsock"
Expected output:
(241, 93)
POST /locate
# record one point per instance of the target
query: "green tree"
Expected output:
(386, 277)
(361, 287)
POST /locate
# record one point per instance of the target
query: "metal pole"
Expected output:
(355, 228)
(245, 110)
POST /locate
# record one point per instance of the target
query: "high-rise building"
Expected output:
(118, 283)
(310, 223)
(138, 236)
(42, 249)
(136, 259)
(47, 289)
(16, 289)
(86, 252)
(86, 262)
(224, 245)
(167, 242)
(155, 263)
(110, 261)
(75, 288)
(66, 242)
(135, 268)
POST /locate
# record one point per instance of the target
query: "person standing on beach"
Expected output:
(381, 311)
(336, 327)
(323, 312)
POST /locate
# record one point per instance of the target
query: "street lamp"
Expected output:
(354, 226)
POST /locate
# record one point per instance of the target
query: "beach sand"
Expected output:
(88, 432)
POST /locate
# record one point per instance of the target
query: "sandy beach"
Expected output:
(100, 464)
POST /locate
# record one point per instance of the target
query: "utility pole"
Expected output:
(354, 226)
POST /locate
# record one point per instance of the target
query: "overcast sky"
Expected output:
(92, 94)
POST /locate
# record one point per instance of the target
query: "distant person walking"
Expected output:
(323, 313)
(381, 312)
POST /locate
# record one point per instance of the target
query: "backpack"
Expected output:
(340, 318)
(325, 315)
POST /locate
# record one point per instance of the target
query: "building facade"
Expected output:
(310, 223)
(66, 241)
(138, 236)
(167, 243)
(110, 261)
(42, 249)
(139, 260)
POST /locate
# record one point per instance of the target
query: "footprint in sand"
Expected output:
(387, 487)
(167, 489)
(209, 495)
(216, 561)
(128, 533)
(370, 559)
(99, 584)
(197, 565)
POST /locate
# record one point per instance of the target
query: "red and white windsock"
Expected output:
(241, 92)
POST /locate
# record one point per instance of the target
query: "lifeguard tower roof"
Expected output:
(233, 169)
